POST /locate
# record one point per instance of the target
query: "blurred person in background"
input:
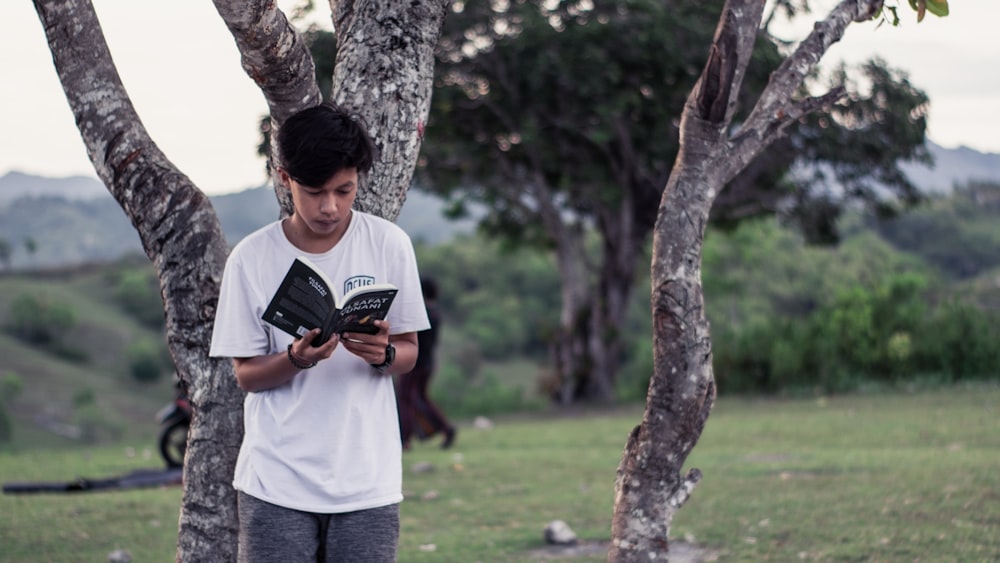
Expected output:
(418, 415)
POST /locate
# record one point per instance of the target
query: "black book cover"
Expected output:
(305, 300)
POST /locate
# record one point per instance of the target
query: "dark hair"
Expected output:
(429, 287)
(317, 142)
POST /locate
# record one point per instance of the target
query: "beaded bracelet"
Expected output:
(296, 363)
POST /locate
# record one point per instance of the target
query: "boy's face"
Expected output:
(324, 212)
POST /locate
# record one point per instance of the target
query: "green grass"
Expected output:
(891, 477)
(85, 526)
(873, 478)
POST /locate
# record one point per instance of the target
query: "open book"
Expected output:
(305, 300)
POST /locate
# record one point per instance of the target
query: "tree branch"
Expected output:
(747, 145)
(183, 238)
(683, 491)
(773, 112)
(384, 71)
(790, 76)
(714, 96)
(273, 54)
(276, 58)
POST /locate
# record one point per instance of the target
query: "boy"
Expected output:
(319, 473)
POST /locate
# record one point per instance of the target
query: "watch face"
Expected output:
(390, 354)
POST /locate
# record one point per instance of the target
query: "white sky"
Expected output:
(181, 68)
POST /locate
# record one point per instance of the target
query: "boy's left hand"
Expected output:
(368, 347)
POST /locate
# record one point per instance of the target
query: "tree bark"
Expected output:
(385, 72)
(180, 233)
(649, 487)
(623, 239)
(569, 349)
(590, 345)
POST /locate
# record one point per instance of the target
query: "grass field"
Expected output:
(893, 477)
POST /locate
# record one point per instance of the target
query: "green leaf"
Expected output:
(892, 18)
(938, 7)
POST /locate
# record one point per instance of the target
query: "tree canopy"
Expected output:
(562, 119)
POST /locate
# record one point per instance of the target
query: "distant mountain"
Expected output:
(73, 220)
(65, 221)
(14, 185)
(953, 166)
(422, 216)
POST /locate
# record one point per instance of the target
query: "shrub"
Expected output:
(68, 352)
(6, 426)
(11, 386)
(742, 359)
(38, 320)
(468, 358)
(84, 397)
(138, 292)
(146, 360)
(462, 396)
(633, 379)
(959, 340)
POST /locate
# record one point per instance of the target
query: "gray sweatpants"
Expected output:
(270, 533)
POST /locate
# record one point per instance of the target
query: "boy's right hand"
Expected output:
(305, 351)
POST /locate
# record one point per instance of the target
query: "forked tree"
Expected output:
(383, 72)
(650, 487)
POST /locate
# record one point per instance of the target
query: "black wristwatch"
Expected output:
(390, 355)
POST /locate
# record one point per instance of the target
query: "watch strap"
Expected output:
(390, 356)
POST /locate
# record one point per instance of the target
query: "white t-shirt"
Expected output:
(328, 440)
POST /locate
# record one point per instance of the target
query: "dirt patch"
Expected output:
(139, 478)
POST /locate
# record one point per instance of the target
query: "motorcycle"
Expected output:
(175, 420)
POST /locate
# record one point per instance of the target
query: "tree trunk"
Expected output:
(590, 345)
(649, 488)
(622, 241)
(569, 348)
(385, 72)
(181, 235)
(179, 229)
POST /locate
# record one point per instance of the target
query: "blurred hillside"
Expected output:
(56, 222)
(51, 222)
(907, 301)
